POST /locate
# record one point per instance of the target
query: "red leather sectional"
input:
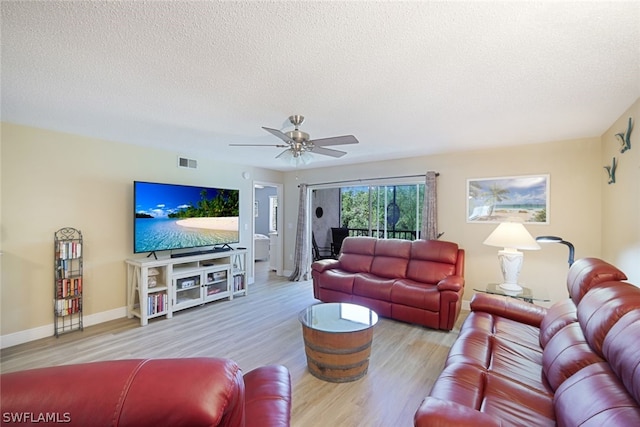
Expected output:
(157, 392)
(517, 364)
(416, 282)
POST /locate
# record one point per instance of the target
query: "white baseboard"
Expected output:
(45, 331)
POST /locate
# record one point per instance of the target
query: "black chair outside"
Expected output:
(338, 235)
(320, 252)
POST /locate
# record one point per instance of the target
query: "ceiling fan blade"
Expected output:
(328, 151)
(277, 133)
(335, 140)
(283, 153)
(258, 145)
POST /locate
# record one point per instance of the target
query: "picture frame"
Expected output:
(495, 200)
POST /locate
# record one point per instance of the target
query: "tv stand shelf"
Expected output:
(161, 287)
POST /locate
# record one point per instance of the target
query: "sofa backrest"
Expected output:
(356, 255)
(602, 307)
(621, 348)
(391, 258)
(586, 273)
(433, 260)
(557, 317)
(572, 345)
(608, 316)
(596, 372)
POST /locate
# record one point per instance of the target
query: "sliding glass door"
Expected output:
(382, 211)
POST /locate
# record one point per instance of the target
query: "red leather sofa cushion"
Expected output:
(432, 261)
(153, 392)
(586, 273)
(391, 258)
(356, 255)
(558, 316)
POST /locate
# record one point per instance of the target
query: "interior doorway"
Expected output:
(267, 228)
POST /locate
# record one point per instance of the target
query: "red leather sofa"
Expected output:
(156, 392)
(416, 282)
(517, 364)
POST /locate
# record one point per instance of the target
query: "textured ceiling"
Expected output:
(405, 78)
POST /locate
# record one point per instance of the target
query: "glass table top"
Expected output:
(338, 317)
(526, 294)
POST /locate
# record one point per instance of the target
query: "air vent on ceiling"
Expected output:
(183, 162)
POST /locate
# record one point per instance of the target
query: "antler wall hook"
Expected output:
(611, 171)
(625, 137)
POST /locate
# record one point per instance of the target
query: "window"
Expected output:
(385, 211)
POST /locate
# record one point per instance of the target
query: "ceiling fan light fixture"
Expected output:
(296, 158)
(305, 157)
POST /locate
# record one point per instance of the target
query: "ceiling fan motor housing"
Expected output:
(298, 136)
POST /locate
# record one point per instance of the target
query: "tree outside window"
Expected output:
(388, 211)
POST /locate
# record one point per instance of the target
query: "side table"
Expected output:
(526, 294)
(337, 340)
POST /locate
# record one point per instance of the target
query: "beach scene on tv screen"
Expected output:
(174, 217)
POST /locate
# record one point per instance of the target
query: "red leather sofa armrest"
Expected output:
(436, 412)
(509, 308)
(268, 397)
(451, 283)
(325, 264)
(136, 392)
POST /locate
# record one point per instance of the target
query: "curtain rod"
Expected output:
(369, 179)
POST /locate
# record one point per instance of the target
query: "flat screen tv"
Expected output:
(170, 216)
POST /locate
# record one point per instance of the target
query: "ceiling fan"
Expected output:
(298, 145)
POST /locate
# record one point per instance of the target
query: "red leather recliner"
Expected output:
(155, 392)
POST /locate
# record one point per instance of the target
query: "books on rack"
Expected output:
(69, 287)
(66, 307)
(69, 250)
(67, 267)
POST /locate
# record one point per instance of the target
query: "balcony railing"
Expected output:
(380, 234)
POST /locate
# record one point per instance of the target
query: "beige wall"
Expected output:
(52, 180)
(575, 173)
(621, 201)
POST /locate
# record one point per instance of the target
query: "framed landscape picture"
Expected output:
(497, 199)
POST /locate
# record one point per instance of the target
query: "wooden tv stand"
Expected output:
(160, 287)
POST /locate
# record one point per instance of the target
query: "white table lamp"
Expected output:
(511, 235)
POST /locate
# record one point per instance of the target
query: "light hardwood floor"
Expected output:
(261, 329)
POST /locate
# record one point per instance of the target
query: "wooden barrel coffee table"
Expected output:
(337, 340)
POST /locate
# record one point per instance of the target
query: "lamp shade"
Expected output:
(512, 235)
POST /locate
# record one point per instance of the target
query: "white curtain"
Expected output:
(302, 253)
(429, 229)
